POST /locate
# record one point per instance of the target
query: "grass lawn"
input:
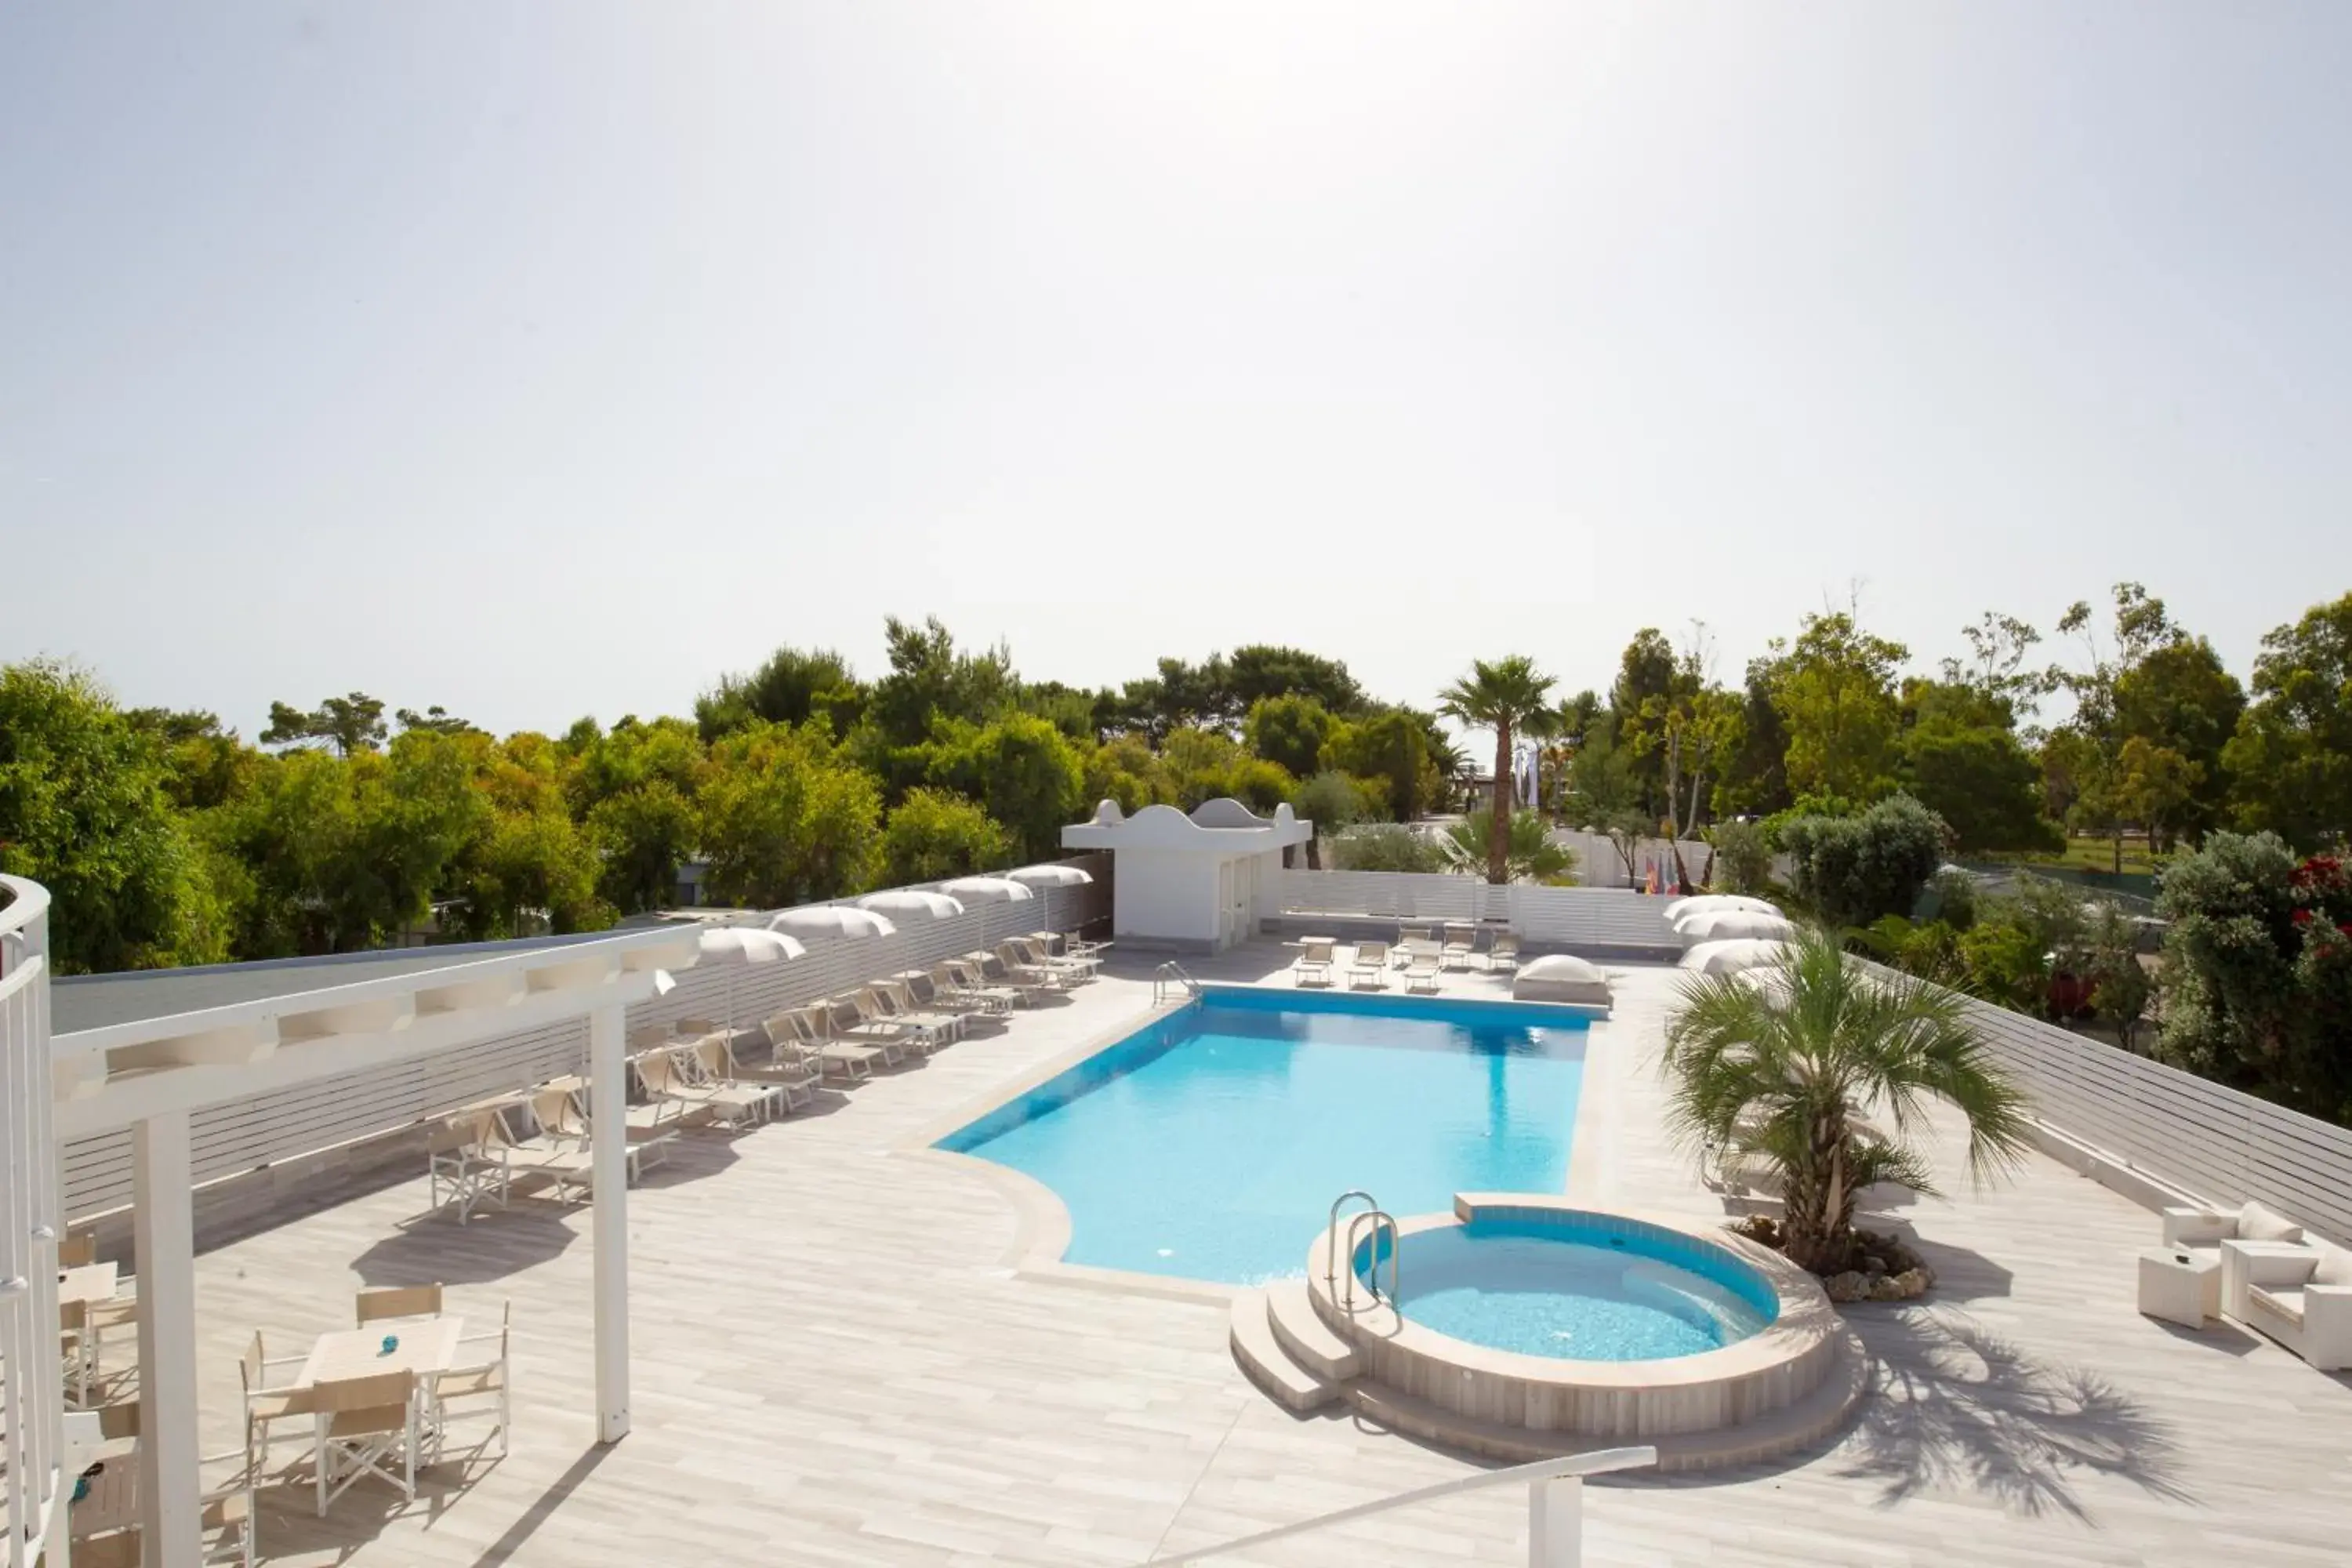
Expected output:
(2097, 855)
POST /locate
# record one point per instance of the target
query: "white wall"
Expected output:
(1166, 895)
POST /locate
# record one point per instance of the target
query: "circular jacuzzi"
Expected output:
(1520, 1313)
(1573, 1289)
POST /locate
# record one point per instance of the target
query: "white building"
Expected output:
(1189, 884)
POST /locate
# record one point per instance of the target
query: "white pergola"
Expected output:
(150, 1075)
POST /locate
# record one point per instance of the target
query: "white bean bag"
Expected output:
(1718, 925)
(1561, 978)
(1702, 901)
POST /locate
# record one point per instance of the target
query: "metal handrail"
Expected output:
(1332, 1237)
(1171, 974)
(1372, 1220)
(1569, 1467)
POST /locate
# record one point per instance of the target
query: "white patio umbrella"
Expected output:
(831, 923)
(985, 891)
(1732, 955)
(738, 947)
(910, 903)
(1704, 903)
(1718, 924)
(1049, 876)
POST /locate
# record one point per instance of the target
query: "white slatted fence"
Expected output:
(231, 1139)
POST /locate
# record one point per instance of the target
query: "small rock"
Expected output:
(1874, 1264)
(1887, 1288)
(1912, 1282)
(1849, 1286)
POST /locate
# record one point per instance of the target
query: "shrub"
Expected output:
(1855, 868)
(1386, 847)
(1743, 861)
(1532, 855)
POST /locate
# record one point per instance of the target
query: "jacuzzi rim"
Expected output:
(1805, 1318)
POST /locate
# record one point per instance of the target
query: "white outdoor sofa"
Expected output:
(2276, 1281)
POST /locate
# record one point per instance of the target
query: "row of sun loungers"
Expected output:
(700, 1072)
(1424, 956)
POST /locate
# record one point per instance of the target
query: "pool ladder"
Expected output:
(1168, 978)
(1367, 1222)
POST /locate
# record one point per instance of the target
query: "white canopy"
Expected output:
(1732, 955)
(986, 890)
(831, 923)
(1717, 925)
(910, 903)
(1712, 902)
(744, 944)
(1049, 876)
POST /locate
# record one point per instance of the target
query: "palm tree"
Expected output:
(1785, 1070)
(1502, 696)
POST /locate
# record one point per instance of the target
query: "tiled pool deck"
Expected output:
(836, 1363)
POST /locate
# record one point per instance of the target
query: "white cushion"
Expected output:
(2334, 1267)
(2256, 1223)
(1560, 977)
(2287, 1304)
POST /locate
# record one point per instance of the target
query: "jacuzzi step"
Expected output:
(1269, 1365)
(1302, 1331)
(1801, 1425)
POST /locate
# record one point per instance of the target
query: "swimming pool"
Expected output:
(1209, 1144)
(1555, 1285)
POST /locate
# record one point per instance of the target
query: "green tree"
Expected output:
(349, 724)
(2290, 761)
(643, 835)
(1334, 803)
(345, 851)
(1393, 746)
(437, 719)
(936, 834)
(1960, 757)
(1785, 1073)
(794, 686)
(1021, 771)
(1503, 696)
(85, 811)
(2180, 699)
(1125, 769)
(1260, 670)
(787, 818)
(1754, 771)
(1743, 861)
(931, 681)
(1834, 692)
(1289, 732)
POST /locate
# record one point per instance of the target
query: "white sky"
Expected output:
(542, 360)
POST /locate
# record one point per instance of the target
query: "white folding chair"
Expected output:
(364, 1423)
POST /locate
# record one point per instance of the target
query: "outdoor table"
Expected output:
(112, 1502)
(2181, 1285)
(428, 1346)
(92, 1282)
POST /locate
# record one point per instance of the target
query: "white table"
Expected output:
(428, 1346)
(2180, 1285)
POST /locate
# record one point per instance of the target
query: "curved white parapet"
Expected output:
(1782, 1387)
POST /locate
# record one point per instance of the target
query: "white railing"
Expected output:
(1555, 1507)
(232, 1138)
(32, 1394)
(1568, 917)
(2191, 1134)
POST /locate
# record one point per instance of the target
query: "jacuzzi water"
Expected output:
(1576, 1291)
(1208, 1145)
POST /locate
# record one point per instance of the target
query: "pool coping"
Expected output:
(1042, 1220)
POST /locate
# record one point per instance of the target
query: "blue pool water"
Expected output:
(1578, 1292)
(1210, 1144)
